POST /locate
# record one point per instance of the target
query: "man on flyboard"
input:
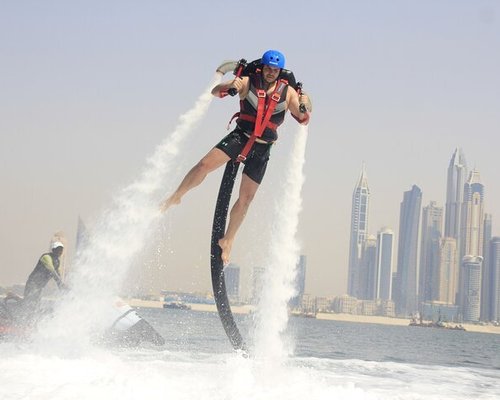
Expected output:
(264, 101)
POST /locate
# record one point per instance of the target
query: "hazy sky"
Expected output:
(89, 88)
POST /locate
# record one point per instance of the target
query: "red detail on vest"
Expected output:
(252, 118)
(262, 120)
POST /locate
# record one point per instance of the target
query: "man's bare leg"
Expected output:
(213, 160)
(248, 188)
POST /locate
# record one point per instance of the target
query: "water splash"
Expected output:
(101, 266)
(279, 275)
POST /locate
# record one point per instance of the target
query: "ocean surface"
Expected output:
(325, 360)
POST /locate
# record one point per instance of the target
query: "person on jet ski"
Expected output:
(47, 268)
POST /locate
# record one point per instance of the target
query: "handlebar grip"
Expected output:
(302, 108)
(232, 91)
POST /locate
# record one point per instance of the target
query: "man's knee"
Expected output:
(248, 189)
(211, 162)
(203, 165)
(247, 196)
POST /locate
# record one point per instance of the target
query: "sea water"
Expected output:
(340, 360)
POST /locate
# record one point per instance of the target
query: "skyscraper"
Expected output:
(300, 281)
(495, 268)
(447, 284)
(257, 283)
(487, 272)
(368, 270)
(432, 222)
(457, 174)
(471, 243)
(359, 231)
(472, 225)
(471, 287)
(232, 276)
(405, 292)
(385, 244)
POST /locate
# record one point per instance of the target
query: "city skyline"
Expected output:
(433, 272)
(90, 89)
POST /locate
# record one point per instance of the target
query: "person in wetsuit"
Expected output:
(231, 146)
(47, 268)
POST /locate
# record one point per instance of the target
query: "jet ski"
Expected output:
(128, 328)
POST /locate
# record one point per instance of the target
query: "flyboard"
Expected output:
(240, 68)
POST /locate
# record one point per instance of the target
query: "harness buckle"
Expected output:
(276, 97)
(261, 93)
(241, 158)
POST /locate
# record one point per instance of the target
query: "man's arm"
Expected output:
(240, 84)
(47, 263)
(294, 101)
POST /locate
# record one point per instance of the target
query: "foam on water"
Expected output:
(121, 232)
(279, 275)
(142, 374)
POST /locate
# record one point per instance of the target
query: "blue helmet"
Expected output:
(273, 58)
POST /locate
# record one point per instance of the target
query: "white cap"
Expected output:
(55, 245)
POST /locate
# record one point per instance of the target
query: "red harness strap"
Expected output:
(252, 118)
(262, 120)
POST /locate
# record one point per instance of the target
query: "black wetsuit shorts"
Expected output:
(257, 158)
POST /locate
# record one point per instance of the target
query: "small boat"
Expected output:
(177, 305)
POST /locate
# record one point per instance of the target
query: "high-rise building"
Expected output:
(471, 242)
(232, 276)
(447, 284)
(487, 273)
(405, 290)
(457, 175)
(300, 281)
(495, 287)
(471, 286)
(385, 245)
(359, 231)
(368, 270)
(432, 222)
(472, 226)
(257, 283)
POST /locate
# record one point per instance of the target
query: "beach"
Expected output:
(363, 319)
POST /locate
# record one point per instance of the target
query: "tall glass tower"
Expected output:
(385, 245)
(300, 282)
(487, 272)
(359, 232)
(471, 287)
(432, 223)
(471, 243)
(232, 277)
(447, 286)
(495, 287)
(405, 291)
(368, 270)
(457, 175)
(473, 217)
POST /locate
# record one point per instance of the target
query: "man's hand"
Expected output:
(304, 99)
(237, 84)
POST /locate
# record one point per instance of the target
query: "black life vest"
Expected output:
(248, 110)
(41, 275)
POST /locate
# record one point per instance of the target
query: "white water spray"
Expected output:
(101, 266)
(272, 315)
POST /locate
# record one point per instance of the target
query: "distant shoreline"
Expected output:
(363, 319)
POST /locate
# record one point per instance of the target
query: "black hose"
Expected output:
(217, 266)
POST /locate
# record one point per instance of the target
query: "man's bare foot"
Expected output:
(225, 245)
(170, 201)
